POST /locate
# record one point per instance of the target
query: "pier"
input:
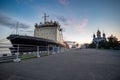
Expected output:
(75, 64)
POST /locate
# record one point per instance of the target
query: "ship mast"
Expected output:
(17, 28)
(45, 18)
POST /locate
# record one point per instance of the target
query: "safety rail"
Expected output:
(14, 52)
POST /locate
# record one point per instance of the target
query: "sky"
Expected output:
(80, 19)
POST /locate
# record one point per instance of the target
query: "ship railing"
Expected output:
(20, 51)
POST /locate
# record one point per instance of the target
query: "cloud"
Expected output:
(23, 26)
(81, 26)
(6, 21)
(10, 22)
(66, 21)
(73, 23)
(61, 18)
(64, 2)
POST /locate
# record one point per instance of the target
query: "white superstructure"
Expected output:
(49, 30)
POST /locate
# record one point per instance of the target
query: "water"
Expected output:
(4, 49)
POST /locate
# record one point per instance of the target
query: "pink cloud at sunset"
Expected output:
(73, 23)
(64, 2)
(82, 25)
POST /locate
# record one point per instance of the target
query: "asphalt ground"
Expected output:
(77, 64)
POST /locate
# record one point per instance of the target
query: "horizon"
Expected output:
(79, 19)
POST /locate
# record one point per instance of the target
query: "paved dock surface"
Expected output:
(77, 64)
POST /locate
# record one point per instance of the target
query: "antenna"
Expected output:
(45, 17)
(17, 27)
(98, 28)
(103, 31)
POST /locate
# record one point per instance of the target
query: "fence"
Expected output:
(16, 52)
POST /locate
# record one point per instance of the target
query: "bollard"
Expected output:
(38, 51)
(17, 59)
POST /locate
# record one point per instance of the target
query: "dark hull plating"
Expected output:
(30, 44)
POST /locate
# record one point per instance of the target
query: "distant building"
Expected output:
(98, 38)
(72, 44)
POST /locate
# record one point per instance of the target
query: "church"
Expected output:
(98, 38)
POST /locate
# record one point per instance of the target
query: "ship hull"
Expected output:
(29, 44)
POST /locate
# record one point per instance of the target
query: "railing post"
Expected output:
(48, 49)
(53, 50)
(38, 55)
(58, 49)
(17, 59)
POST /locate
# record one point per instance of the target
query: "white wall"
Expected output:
(46, 32)
(51, 33)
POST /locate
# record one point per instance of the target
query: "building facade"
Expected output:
(98, 38)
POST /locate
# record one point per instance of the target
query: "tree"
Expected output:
(103, 45)
(112, 42)
(92, 45)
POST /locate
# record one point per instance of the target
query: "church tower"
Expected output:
(93, 36)
(104, 36)
(98, 34)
